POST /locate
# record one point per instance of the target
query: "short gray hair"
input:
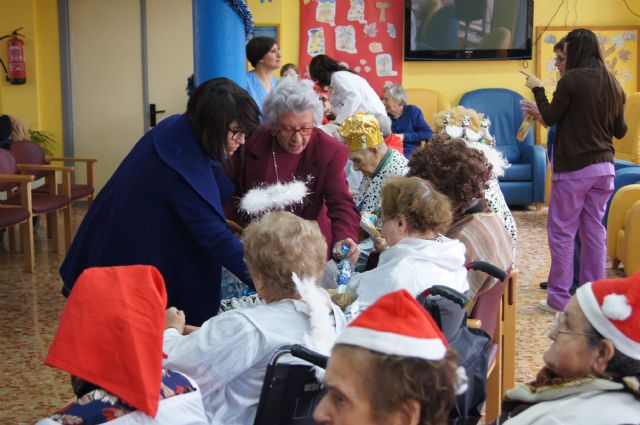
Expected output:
(384, 122)
(291, 95)
(397, 93)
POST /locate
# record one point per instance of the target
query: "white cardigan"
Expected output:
(415, 265)
(228, 355)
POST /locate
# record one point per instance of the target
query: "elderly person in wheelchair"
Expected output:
(415, 254)
(390, 366)
(228, 355)
(592, 369)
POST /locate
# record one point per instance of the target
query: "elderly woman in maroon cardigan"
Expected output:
(287, 148)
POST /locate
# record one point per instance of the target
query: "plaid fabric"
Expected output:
(485, 238)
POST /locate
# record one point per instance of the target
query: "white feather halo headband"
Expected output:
(264, 199)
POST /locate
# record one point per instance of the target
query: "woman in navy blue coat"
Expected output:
(163, 205)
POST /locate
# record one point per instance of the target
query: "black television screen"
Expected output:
(468, 29)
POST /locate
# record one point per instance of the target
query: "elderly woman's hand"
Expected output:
(354, 249)
(175, 318)
(380, 244)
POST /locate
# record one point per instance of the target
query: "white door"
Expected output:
(107, 73)
(169, 54)
(106, 81)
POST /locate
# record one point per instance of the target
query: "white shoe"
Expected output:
(542, 305)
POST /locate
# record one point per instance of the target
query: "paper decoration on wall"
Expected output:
(384, 65)
(346, 38)
(383, 5)
(391, 30)
(356, 11)
(326, 12)
(315, 45)
(370, 30)
(377, 29)
(375, 47)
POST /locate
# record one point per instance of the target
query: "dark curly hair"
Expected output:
(454, 169)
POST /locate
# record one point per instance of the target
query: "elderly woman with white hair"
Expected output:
(289, 148)
(407, 121)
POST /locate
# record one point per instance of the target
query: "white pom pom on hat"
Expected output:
(616, 307)
(612, 306)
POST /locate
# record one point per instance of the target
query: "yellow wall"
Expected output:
(38, 102)
(455, 78)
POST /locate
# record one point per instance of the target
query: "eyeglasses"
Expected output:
(558, 322)
(237, 133)
(288, 131)
(560, 59)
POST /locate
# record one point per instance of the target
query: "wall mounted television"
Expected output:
(440, 30)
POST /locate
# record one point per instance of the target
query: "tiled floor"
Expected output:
(30, 305)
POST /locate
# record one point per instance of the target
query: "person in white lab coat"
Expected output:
(228, 355)
(349, 92)
(110, 341)
(418, 256)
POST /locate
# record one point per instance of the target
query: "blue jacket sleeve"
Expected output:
(207, 227)
(421, 130)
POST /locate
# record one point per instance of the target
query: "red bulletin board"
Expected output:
(365, 34)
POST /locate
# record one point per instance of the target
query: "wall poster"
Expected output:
(365, 34)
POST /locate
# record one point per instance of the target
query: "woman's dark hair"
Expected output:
(454, 169)
(257, 47)
(560, 44)
(583, 51)
(213, 106)
(620, 364)
(288, 66)
(322, 67)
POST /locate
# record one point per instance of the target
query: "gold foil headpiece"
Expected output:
(361, 132)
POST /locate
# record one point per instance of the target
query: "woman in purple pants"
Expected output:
(588, 110)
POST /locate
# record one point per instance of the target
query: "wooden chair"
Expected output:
(48, 203)
(28, 152)
(20, 214)
(494, 312)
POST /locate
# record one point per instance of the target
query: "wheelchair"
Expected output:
(290, 392)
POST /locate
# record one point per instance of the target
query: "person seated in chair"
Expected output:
(413, 216)
(110, 340)
(407, 121)
(390, 366)
(372, 157)
(228, 355)
(592, 369)
(463, 173)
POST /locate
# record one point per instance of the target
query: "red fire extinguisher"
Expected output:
(17, 72)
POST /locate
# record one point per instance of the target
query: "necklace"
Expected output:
(275, 163)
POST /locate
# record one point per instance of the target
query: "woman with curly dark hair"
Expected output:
(456, 170)
(463, 174)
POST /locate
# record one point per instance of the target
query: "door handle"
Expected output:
(152, 114)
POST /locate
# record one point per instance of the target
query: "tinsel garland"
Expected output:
(241, 8)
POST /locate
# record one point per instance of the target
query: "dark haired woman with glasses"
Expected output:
(588, 111)
(163, 205)
(289, 147)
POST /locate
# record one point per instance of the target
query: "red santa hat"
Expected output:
(396, 324)
(110, 333)
(612, 306)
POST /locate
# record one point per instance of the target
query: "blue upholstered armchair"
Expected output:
(523, 182)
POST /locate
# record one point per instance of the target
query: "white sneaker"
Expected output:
(542, 305)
